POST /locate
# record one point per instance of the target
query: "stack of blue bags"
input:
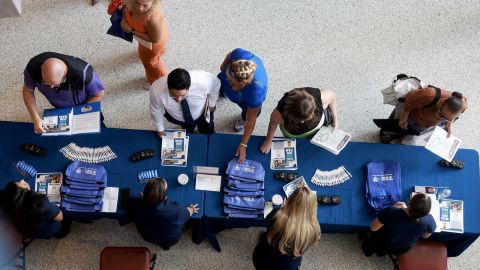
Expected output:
(83, 187)
(243, 189)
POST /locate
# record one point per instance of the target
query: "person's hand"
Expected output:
(212, 109)
(161, 134)
(449, 130)
(241, 153)
(334, 125)
(402, 124)
(125, 27)
(39, 126)
(265, 147)
(193, 208)
(400, 204)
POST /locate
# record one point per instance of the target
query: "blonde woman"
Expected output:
(144, 19)
(291, 230)
(301, 113)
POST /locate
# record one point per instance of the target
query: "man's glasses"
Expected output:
(56, 87)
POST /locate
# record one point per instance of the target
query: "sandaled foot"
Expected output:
(141, 155)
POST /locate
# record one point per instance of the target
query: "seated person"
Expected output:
(64, 80)
(291, 230)
(32, 214)
(300, 113)
(158, 220)
(181, 98)
(397, 228)
(424, 109)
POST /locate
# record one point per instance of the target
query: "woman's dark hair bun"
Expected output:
(457, 94)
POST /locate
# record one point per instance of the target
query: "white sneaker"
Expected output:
(239, 125)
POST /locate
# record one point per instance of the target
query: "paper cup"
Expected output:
(182, 179)
(277, 199)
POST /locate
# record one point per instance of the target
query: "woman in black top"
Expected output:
(291, 230)
(300, 113)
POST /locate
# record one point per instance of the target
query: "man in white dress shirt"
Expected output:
(185, 98)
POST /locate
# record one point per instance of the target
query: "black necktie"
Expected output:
(186, 112)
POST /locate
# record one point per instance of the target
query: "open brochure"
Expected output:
(175, 148)
(448, 214)
(292, 186)
(49, 184)
(442, 146)
(72, 120)
(283, 154)
(330, 139)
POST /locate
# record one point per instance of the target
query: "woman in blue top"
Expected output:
(244, 82)
(32, 214)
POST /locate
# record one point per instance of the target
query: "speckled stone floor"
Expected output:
(352, 47)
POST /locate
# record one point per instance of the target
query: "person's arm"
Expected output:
(448, 127)
(403, 122)
(376, 225)
(330, 100)
(213, 86)
(154, 29)
(157, 110)
(31, 104)
(59, 217)
(97, 98)
(247, 133)
(275, 119)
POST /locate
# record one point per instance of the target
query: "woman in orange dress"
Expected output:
(144, 19)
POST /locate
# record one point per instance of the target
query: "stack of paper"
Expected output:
(292, 186)
(284, 154)
(175, 148)
(49, 184)
(110, 200)
(442, 146)
(332, 140)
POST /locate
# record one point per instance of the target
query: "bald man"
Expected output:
(64, 80)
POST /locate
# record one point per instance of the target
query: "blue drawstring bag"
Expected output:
(248, 170)
(383, 185)
(90, 174)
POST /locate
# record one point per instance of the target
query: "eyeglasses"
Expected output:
(56, 87)
(443, 117)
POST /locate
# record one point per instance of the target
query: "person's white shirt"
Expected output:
(202, 84)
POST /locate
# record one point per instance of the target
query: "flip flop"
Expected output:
(34, 149)
(141, 155)
(457, 164)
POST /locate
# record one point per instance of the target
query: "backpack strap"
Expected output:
(438, 93)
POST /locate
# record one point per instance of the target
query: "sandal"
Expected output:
(141, 155)
(286, 176)
(329, 200)
(457, 164)
(34, 149)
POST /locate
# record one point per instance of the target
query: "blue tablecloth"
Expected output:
(121, 172)
(419, 167)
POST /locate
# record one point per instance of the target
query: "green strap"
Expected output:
(306, 135)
